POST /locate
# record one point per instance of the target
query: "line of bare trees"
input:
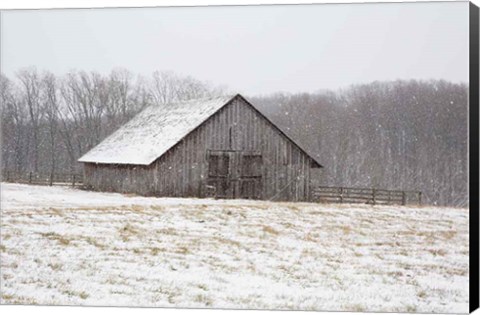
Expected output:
(48, 121)
(407, 135)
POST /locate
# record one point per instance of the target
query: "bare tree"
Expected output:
(80, 93)
(167, 87)
(50, 108)
(30, 86)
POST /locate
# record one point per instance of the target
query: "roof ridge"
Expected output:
(204, 98)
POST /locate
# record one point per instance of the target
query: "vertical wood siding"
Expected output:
(183, 170)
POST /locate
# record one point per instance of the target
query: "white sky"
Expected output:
(250, 49)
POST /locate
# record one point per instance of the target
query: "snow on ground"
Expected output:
(67, 246)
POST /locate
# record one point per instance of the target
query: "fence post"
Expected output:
(374, 193)
(51, 179)
(419, 198)
(8, 176)
(73, 180)
(404, 198)
(341, 194)
(30, 177)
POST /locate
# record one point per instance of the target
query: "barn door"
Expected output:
(221, 167)
(235, 174)
(251, 170)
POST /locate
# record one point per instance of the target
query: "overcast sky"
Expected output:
(251, 50)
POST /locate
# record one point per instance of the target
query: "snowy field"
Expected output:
(66, 246)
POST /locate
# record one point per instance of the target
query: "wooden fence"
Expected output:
(318, 194)
(57, 179)
(365, 195)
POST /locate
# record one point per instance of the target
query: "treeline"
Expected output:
(407, 135)
(48, 122)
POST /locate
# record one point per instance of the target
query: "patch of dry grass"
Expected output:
(7, 297)
(437, 252)
(182, 250)
(395, 274)
(355, 308)
(167, 231)
(13, 299)
(62, 240)
(127, 231)
(7, 276)
(94, 242)
(311, 237)
(58, 212)
(448, 234)
(346, 229)
(270, 230)
(137, 250)
(226, 241)
(156, 250)
(203, 299)
(55, 266)
(83, 295)
(136, 208)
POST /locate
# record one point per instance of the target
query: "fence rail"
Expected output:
(365, 195)
(56, 179)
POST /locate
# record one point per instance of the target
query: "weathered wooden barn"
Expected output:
(220, 147)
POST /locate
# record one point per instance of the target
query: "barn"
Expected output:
(217, 147)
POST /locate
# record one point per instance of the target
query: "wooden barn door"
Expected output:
(250, 179)
(221, 166)
(235, 174)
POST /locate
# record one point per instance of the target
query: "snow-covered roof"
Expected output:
(156, 129)
(153, 132)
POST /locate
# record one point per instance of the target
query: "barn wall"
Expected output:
(121, 178)
(182, 171)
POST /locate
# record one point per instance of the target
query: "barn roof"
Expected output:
(155, 130)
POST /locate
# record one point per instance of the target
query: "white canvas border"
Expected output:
(47, 4)
(41, 4)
